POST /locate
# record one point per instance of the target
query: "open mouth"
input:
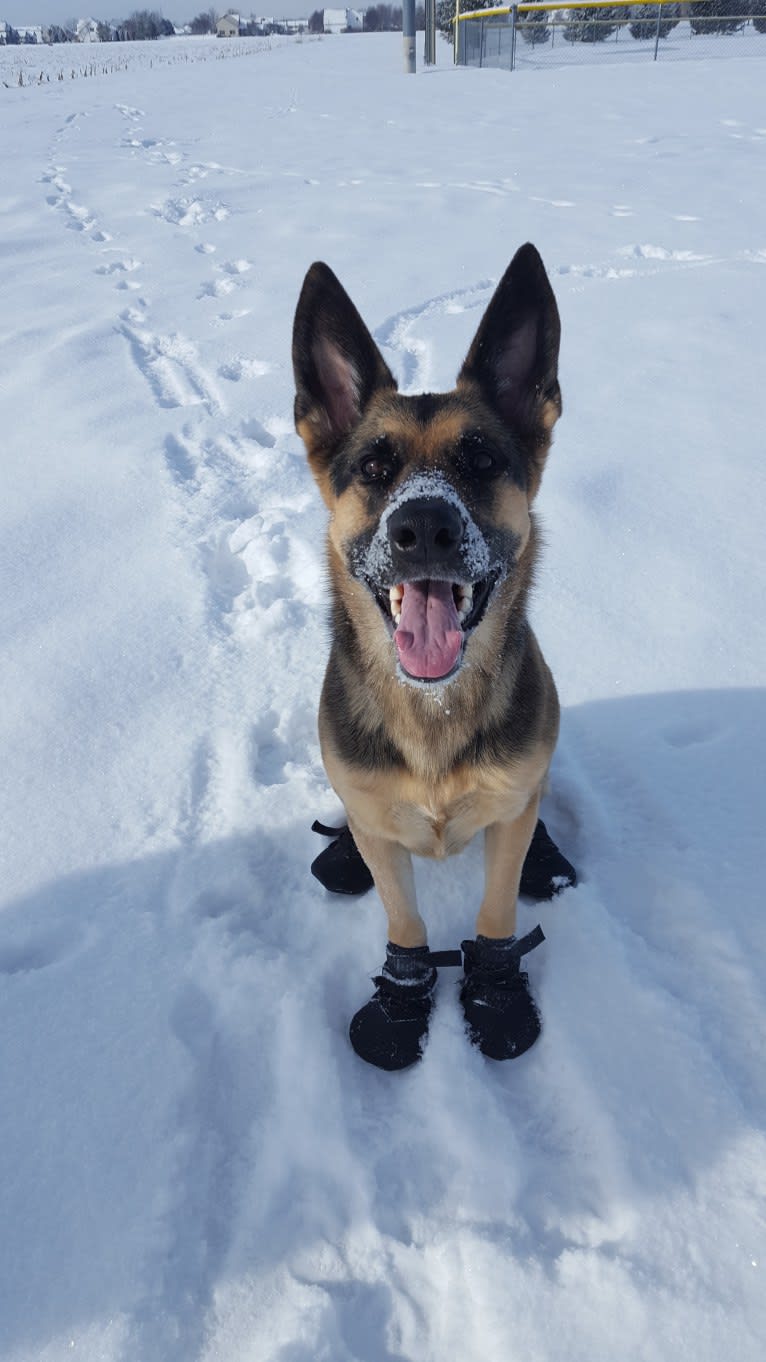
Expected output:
(430, 621)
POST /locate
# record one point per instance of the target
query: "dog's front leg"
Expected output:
(390, 1030)
(390, 865)
(501, 1013)
(505, 846)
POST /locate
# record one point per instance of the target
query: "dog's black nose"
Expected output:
(424, 534)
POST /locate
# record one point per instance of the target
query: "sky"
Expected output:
(20, 12)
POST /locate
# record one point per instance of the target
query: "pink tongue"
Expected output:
(429, 637)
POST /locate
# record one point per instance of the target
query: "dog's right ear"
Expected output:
(336, 362)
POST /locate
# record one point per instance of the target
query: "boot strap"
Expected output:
(445, 959)
(324, 831)
(528, 942)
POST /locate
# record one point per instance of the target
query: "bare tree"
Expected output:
(204, 22)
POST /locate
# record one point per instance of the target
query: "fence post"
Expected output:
(481, 44)
(514, 19)
(429, 46)
(408, 35)
(456, 21)
(657, 34)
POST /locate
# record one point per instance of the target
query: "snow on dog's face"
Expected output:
(425, 530)
(429, 495)
(431, 540)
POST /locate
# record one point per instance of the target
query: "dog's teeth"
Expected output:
(396, 596)
(463, 601)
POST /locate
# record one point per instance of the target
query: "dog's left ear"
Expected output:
(336, 362)
(514, 355)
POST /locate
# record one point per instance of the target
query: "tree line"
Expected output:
(140, 25)
(376, 19)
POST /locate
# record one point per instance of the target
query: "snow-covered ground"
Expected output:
(195, 1165)
(41, 64)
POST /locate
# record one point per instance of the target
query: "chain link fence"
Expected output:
(545, 35)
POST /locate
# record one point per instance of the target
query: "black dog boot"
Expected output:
(390, 1029)
(502, 1017)
(340, 867)
(546, 871)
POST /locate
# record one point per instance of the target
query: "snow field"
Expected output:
(39, 65)
(196, 1164)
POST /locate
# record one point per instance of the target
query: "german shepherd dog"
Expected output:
(438, 715)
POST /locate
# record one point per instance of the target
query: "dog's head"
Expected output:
(430, 494)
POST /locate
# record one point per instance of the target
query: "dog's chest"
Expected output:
(442, 826)
(439, 818)
(430, 831)
(436, 817)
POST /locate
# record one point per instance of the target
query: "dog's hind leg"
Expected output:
(390, 865)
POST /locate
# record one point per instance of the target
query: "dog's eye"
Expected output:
(478, 460)
(481, 461)
(378, 467)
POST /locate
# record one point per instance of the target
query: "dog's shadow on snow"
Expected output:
(183, 1109)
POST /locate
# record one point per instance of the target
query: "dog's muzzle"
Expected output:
(431, 581)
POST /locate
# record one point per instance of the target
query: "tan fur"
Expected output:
(431, 819)
(427, 443)
(512, 508)
(505, 846)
